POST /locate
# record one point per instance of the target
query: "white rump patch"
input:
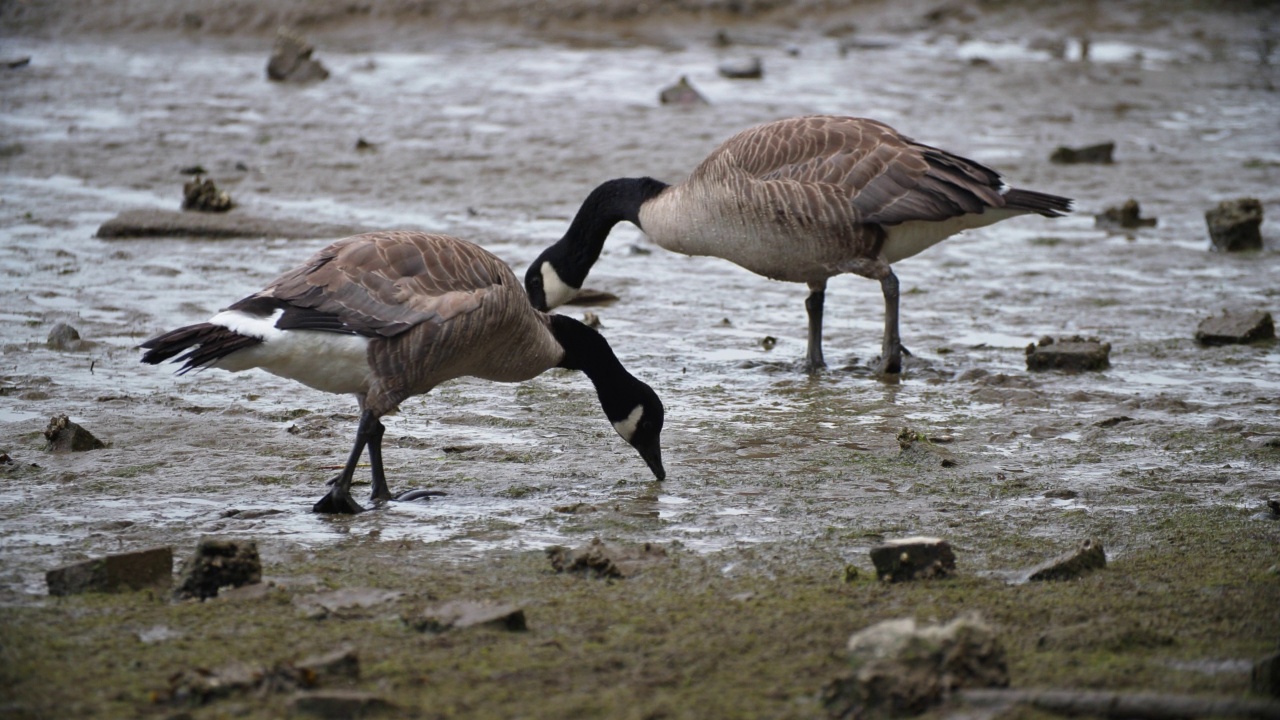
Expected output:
(331, 362)
(627, 427)
(911, 238)
(557, 291)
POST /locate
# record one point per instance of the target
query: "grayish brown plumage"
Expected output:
(389, 315)
(800, 200)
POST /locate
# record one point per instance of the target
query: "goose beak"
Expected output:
(652, 454)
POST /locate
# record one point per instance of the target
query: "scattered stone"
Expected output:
(342, 704)
(347, 602)
(1127, 216)
(591, 319)
(219, 563)
(1265, 678)
(338, 666)
(1236, 328)
(291, 60)
(590, 296)
(459, 614)
(363, 145)
(1072, 354)
(749, 69)
(768, 342)
(607, 560)
(1099, 154)
(201, 195)
(682, 93)
(66, 338)
(913, 558)
(915, 446)
(1235, 225)
(1061, 494)
(66, 436)
(152, 568)
(1088, 557)
(1112, 421)
(166, 223)
(200, 686)
(901, 669)
(15, 63)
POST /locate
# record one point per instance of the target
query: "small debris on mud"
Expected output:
(459, 614)
(580, 508)
(768, 342)
(900, 669)
(291, 60)
(915, 446)
(193, 170)
(1084, 559)
(200, 686)
(1112, 421)
(219, 563)
(363, 145)
(202, 195)
(1061, 494)
(606, 560)
(342, 704)
(1073, 354)
(347, 602)
(1098, 154)
(1236, 328)
(339, 665)
(66, 436)
(591, 319)
(15, 63)
(748, 69)
(151, 568)
(913, 558)
(682, 93)
(64, 337)
(1235, 225)
(591, 296)
(1126, 217)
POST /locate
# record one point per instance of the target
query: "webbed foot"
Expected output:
(335, 503)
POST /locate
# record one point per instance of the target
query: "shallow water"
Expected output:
(497, 142)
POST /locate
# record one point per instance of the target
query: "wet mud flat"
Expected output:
(779, 485)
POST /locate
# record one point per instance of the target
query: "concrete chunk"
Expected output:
(151, 568)
(459, 614)
(1235, 225)
(1072, 354)
(1084, 559)
(1236, 328)
(66, 436)
(913, 558)
(219, 563)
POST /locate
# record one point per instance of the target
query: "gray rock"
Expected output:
(1235, 225)
(219, 563)
(291, 60)
(459, 614)
(152, 568)
(64, 337)
(1098, 154)
(748, 69)
(342, 704)
(341, 665)
(682, 93)
(1084, 559)
(66, 436)
(607, 560)
(1265, 677)
(1236, 328)
(913, 558)
(1072, 354)
(167, 223)
(901, 669)
(1126, 217)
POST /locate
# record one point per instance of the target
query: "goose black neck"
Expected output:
(588, 351)
(606, 206)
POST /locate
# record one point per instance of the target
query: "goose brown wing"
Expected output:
(887, 178)
(382, 284)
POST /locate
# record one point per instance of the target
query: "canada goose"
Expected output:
(389, 315)
(801, 200)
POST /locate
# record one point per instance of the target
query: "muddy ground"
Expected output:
(492, 122)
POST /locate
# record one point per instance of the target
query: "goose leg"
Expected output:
(891, 352)
(379, 480)
(813, 361)
(339, 500)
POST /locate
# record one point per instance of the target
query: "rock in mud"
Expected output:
(1097, 154)
(291, 60)
(342, 705)
(459, 614)
(347, 602)
(202, 195)
(66, 436)
(682, 93)
(1084, 559)
(152, 568)
(917, 447)
(748, 69)
(901, 669)
(165, 223)
(913, 558)
(1125, 217)
(606, 560)
(1236, 328)
(200, 686)
(1235, 225)
(218, 563)
(1072, 354)
(341, 665)
(64, 337)
(1265, 678)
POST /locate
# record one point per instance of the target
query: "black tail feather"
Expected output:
(204, 344)
(1037, 202)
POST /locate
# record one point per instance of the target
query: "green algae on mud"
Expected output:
(747, 632)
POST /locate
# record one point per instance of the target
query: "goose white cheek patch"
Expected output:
(557, 291)
(627, 427)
